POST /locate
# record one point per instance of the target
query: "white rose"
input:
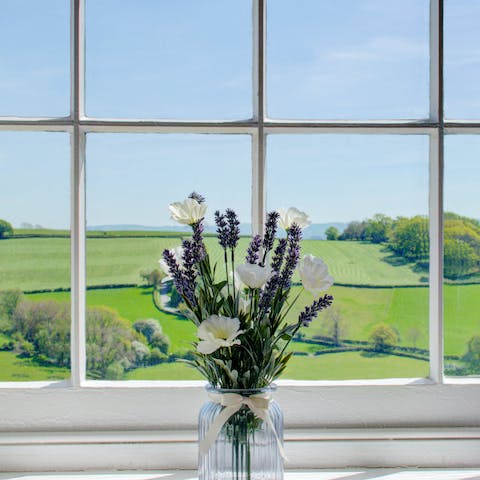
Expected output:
(216, 332)
(291, 216)
(187, 212)
(177, 252)
(253, 275)
(314, 274)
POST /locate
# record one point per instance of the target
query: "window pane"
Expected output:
(372, 190)
(131, 180)
(462, 255)
(462, 59)
(357, 59)
(34, 58)
(184, 59)
(35, 256)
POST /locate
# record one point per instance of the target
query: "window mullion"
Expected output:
(258, 139)
(78, 355)
(436, 191)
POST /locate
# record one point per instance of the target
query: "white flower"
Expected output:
(314, 274)
(218, 331)
(177, 252)
(244, 303)
(187, 212)
(293, 215)
(253, 275)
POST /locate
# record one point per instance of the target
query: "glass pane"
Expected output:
(367, 198)
(462, 255)
(348, 59)
(34, 58)
(462, 59)
(131, 180)
(185, 59)
(34, 256)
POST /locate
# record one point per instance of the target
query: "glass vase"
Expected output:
(246, 447)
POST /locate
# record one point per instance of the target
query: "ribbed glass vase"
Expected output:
(246, 447)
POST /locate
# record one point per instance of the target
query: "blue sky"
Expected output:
(191, 59)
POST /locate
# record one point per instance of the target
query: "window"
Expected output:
(371, 110)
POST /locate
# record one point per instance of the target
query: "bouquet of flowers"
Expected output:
(241, 308)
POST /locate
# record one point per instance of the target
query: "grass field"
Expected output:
(338, 366)
(43, 263)
(15, 369)
(362, 308)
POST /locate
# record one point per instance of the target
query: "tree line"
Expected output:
(408, 237)
(41, 330)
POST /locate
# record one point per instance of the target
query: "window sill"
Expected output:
(356, 474)
(177, 449)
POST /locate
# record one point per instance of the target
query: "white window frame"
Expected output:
(78, 423)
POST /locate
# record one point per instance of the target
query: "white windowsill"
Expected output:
(354, 474)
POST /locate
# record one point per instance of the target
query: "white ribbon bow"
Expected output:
(233, 402)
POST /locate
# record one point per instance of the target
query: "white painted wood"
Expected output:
(304, 448)
(176, 407)
(365, 129)
(436, 257)
(436, 60)
(330, 474)
(78, 259)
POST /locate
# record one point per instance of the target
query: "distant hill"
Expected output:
(316, 231)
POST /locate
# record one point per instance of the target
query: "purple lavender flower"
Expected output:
(268, 294)
(189, 272)
(199, 247)
(253, 249)
(233, 229)
(184, 285)
(278, 255)
(196, 196)
(313, 310)
(294, 236)
(222, 229)
(270, 231)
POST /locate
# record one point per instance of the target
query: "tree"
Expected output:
(5, 229)
(378, 228)
(332, 233)
(472, 357)
(153, 278)
(353, 231)
(460, 258)
(410, 238)
(152, 331)
(335, 325)
(109, 341)
(383, 337)
(148, 328)
(9, 300)
(414, 334)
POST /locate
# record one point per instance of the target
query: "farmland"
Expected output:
(371, 287)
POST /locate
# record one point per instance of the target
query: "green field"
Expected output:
(405, 308)
(44, 263)
(337, 366)
(15, 369)
(41, 263)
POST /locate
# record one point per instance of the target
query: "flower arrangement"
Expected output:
(240, 309)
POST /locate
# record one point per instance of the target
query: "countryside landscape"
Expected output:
(378, 327)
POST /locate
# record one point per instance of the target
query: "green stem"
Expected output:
(287, 343)
(292, 304)
(232, 251)
(225, 258)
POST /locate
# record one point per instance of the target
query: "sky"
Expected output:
(191, 59)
